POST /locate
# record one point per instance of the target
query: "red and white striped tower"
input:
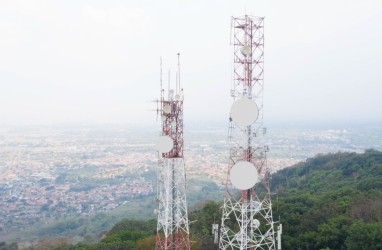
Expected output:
(172, 227)
(247, 221)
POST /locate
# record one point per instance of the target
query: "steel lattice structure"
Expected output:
(247, 221)
(172, 226)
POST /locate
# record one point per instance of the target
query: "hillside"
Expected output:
(331, 201)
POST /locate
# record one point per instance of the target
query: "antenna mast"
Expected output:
(161, 79)
(178, 80)
(253, 226)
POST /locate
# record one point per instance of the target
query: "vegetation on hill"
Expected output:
(331, 201)
(5, 246)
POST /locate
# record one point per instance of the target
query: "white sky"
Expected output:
(98, 61)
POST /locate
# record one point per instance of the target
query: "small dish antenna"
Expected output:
(256, 223)
(244, 175)
(164, 144)
(167, 108)
(244, 112)
(245, 50)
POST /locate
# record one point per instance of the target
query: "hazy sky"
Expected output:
(98, 61)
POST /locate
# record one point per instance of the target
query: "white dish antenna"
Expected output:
(164, 144)
(245, 50)
(177, 97)
(167, 108)
(244, 112)
(244, 175)
(256, 223)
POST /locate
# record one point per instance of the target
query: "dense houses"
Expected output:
(23, 202)
(50, 174)
(53, 172)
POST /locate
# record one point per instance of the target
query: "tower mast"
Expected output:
(252, 226)
(172, 226)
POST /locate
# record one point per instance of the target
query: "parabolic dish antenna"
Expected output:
(166, 108)
(164, 144)
(244, 175)
(245, 50)
(256, 223)
(244, 112)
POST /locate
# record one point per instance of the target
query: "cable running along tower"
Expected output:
(172, 227)
(247, 221)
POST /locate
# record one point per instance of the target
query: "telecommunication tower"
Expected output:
(172, 227)
(247, 221)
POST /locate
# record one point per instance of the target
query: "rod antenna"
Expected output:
(178, 73)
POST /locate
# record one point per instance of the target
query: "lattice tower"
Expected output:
(247, 221)
(172, 226)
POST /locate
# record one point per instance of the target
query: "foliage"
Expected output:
(138, 225)
(201, 224)
(121, 240)
(5, 246)
(331, 201)
(321, 203)
(364, 236)
(147, 243)
(51, 243)
(323, 200)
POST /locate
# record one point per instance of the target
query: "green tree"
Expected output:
(364, 236)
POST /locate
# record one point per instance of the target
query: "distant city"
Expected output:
(51, 172)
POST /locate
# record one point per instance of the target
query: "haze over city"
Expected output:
(97, 61)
